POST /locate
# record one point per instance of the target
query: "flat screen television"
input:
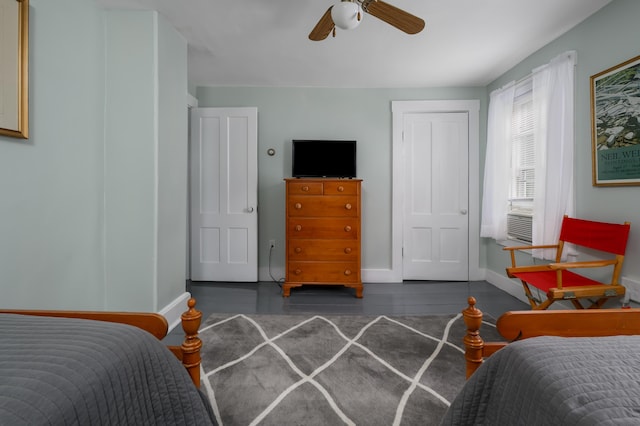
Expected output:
(323, 158)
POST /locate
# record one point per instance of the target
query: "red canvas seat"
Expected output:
(559, 282)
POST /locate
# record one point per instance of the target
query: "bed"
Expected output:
(554, 367)
(71, 367)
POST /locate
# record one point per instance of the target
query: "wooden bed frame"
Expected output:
(517, 325)
(188, 353)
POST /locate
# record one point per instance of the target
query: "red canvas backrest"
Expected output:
(607, 237)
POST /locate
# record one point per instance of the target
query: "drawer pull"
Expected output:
(297, 272)
(298, 228)
(347, 272)
(341, 188)
(348, 206)
(305, 188)
(298, 206)
(347, 228)
(347, 250)
(298, 250)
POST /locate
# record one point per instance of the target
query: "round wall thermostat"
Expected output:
(271, 152)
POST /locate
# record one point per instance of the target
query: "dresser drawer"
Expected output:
(341, 250)
(323, 228)
(304, 188)
(324, 272)
(327, 205)
(341, 187)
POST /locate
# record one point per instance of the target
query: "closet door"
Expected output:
(436, 203)
(224, 194)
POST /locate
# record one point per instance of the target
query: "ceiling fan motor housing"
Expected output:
(346, 14)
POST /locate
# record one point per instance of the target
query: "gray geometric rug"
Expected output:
(333, 370)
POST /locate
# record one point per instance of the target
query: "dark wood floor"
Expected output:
(406, 298)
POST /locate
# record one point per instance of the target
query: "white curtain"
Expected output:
(495, 191)
(553, 87)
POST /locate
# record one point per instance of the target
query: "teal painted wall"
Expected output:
(52, 185)
(93, 203)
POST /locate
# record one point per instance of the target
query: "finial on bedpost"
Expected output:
(192, 344)
(473, 343)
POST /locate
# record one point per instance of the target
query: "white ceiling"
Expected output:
(265, 42)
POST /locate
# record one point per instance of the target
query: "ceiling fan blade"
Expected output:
(323, 28)
(400, 19)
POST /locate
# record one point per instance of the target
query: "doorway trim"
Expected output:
(398, 109)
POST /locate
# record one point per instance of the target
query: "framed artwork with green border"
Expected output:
(615, 125)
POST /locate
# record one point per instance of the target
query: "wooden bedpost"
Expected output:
(192, 344)
(473, 343)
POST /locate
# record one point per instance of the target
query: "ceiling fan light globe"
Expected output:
(345, 15)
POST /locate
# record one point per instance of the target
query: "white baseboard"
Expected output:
(174, 310)
(379, 276)
(633, 288)
(505, 284)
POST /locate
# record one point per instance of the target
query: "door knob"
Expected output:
(250, 209)
(463, 211)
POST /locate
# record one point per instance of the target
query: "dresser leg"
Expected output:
(359, 292)
(286, 291)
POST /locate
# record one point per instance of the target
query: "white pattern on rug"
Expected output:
(412, 382)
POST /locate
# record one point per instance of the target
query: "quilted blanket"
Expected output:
(554, 381)
(58, 371)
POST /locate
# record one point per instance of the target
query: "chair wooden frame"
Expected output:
(558, 281)
(188, 353)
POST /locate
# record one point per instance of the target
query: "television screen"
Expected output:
(323, 158)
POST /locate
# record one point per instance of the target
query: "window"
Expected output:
(528, 170)
(522, 166)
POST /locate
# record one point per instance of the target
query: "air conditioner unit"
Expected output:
(519, 226)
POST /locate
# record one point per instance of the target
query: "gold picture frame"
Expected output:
(615, 125)
(14, 68)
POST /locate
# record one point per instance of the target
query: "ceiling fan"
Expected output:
(348, 13)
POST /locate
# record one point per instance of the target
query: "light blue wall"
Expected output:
(146, 154)
(316, 113)
(172, 163)
(83, 199)
(130, 150)
(51, 186)
(608, 38)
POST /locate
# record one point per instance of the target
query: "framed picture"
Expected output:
(615, 125)
(14, 68)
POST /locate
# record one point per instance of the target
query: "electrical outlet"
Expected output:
(272, 244)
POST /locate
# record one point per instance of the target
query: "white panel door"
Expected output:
(436, 175)
(224, 194)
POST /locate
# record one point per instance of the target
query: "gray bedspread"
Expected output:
(56, 371)
(554, 381)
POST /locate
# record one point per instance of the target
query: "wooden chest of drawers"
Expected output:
(323, 233)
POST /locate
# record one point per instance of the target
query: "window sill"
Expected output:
(512, 243)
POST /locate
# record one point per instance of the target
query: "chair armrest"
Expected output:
(586, 264)
(545, 246)
(513, 249)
